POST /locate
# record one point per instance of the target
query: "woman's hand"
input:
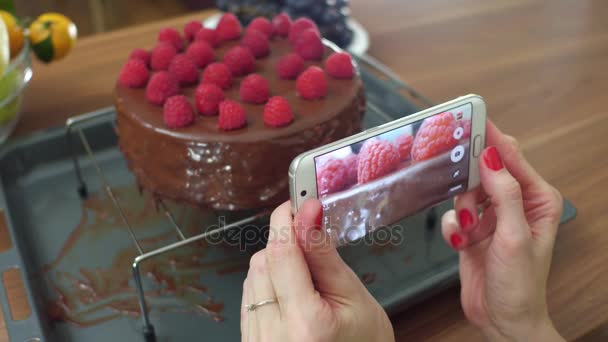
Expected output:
(505, 251)
(319, 297)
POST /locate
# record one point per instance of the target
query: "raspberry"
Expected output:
(312, 84)
(229, 28)
(178, 112)
(171, 36)
(340, 65)
(142, 54)
(162, 85)
(201, 53)
(218, 74)
(184, 70)
(331, 177)
(255, 89)
(309, 45)
(404, 145)
(277, 112)
(376, 159)
(191, 29)
(207, 98)
(162, 55)
(263, 25)
(466, 125)
(434, 136)
(281, 23)
(208, 35)
(351, 163)
(256, 42)
(299, 26)
(240, 61)
(134, 74)
(290, 66)
(232, 116)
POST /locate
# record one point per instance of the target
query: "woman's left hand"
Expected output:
(319, 298)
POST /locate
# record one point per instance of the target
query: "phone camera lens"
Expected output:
(303, 193)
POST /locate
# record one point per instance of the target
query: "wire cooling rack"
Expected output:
(74, 133)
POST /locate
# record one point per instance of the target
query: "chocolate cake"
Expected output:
(244, 168)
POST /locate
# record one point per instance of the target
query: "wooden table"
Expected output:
(542, 67)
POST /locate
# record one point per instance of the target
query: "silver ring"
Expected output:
(252, 307)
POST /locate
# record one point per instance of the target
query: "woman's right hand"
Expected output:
(505, 251)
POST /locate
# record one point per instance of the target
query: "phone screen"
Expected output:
(378, 181)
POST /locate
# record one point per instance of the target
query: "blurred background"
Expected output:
(95, 16)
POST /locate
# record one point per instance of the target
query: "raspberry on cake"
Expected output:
(277, 112)
(232, 116)
(142, 54)
(162, 55)
(218, 74)
(208, 97)
(134, 74)
(434, 136)
(263, 25)
(376, 159)
(254, 89)
(191, 29)
(184, 70)
(312, 84)
(178, 112)
(290, 66)
(201, 53)
(208, 35)
(340, 65)
(331, 177)
(309, 45)
(171, 36)
(240, 61)
(162, 85)
(404, 144)
(256, 42)
(229, 28)
(281, 23)
(299, 26)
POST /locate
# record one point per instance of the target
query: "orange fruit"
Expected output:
(52, 36)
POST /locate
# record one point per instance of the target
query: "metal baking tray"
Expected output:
(75, 254)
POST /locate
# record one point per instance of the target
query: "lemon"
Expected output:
(52, 36)
(5, 49)
(15, 32)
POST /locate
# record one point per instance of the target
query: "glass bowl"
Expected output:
(12, 85)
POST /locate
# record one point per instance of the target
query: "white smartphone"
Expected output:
(378, 177)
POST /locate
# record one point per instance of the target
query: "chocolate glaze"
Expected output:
(352, 213)
(241, 169)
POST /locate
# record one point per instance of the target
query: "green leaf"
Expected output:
(44, 50)
(8, 5)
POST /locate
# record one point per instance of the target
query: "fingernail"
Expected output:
(465, 218)
(492, 159)
(455, 240)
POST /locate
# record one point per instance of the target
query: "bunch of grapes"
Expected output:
(330, 15)
(247, 10)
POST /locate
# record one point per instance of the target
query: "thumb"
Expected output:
(506, 196)
(329, 272)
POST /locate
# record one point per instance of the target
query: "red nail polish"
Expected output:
(455, 240)
(465, 218)
(492, 158)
